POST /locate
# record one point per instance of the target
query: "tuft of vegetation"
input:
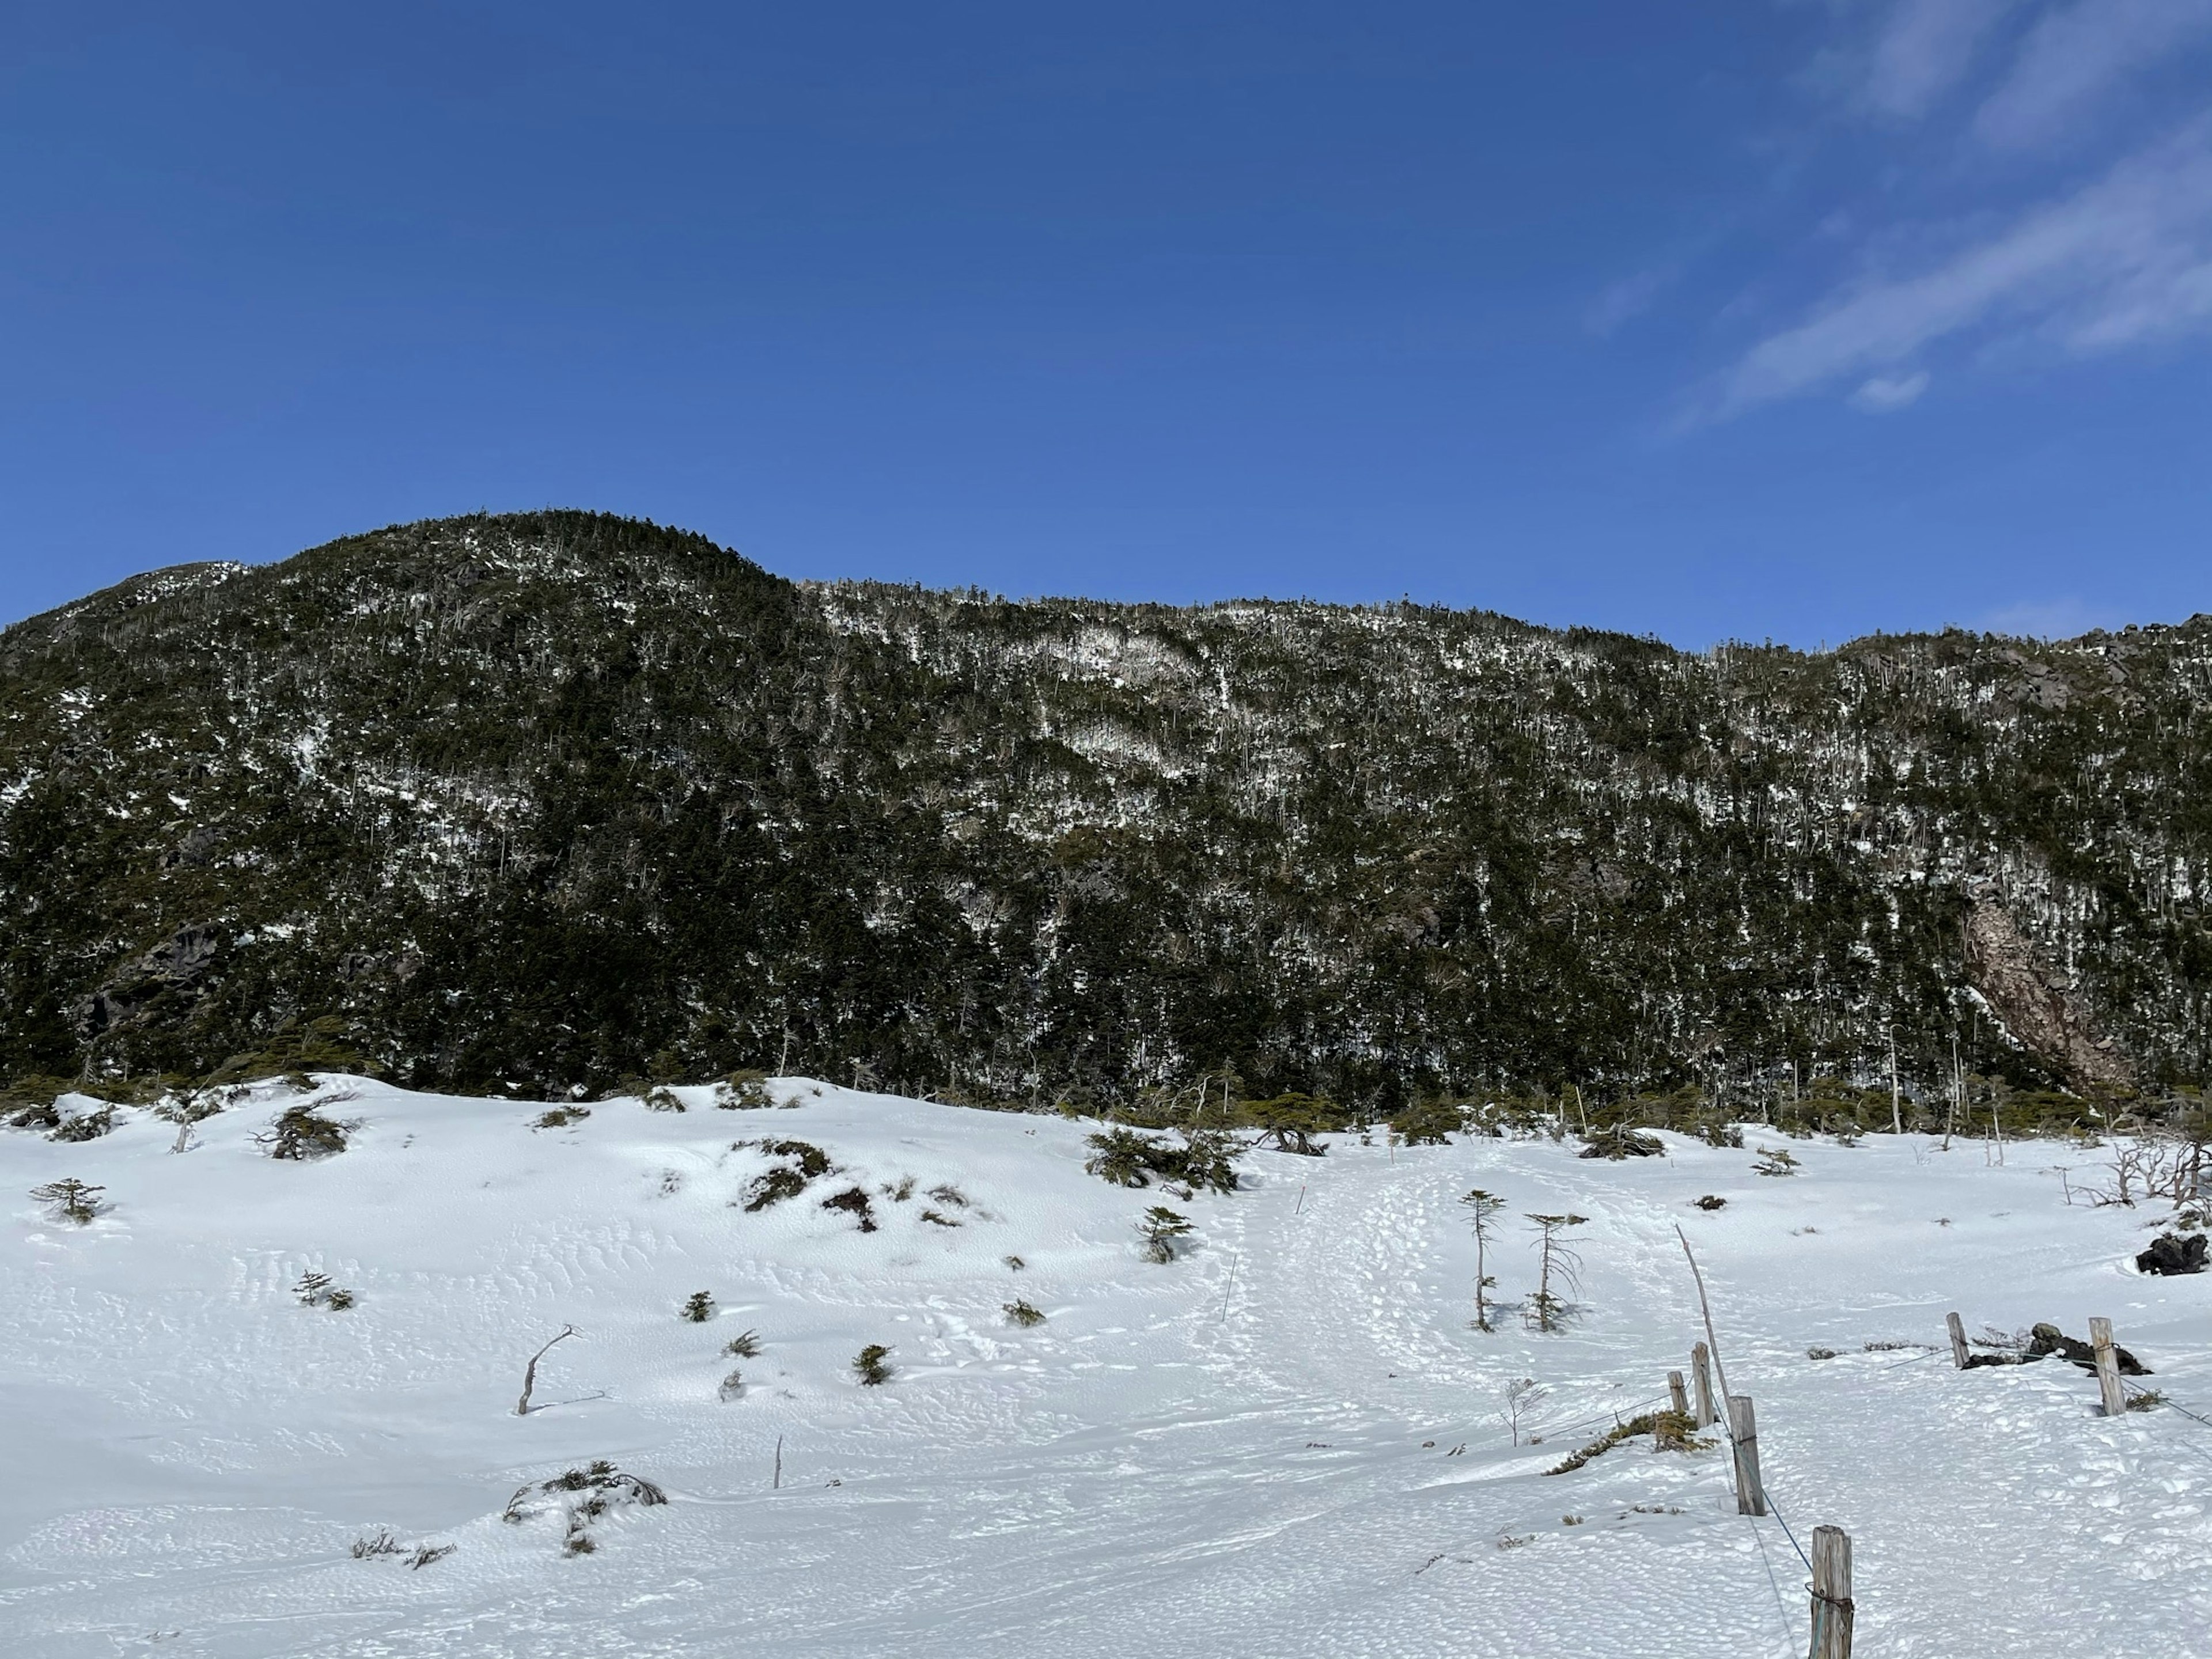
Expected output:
(2146, 1400)
(1670, 1432)
(561, 1117)
(661, 1099)
(698, 1307)
(870, 1366)
(805, 1163)
(731, 1386)
(1015, 1263)
(1775, 1161)
(70, 1200)
(745, 1345)
(1023, 1313)
(1160, 1227)
(372, 1547)
(937, 1219)
(854, 1201)
(300, 1133)
(1711, 1201)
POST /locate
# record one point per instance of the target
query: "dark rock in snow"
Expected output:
(2172, 1254)
(2049, 1340)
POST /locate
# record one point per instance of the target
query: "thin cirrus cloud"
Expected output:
(2124, 259)
(1925, 48)
(2079, 55)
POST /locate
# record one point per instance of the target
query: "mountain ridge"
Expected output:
(550, 800)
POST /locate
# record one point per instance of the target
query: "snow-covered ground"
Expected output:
(1254, 1450)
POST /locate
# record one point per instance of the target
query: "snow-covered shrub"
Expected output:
(661, 1099)
(561, 1117)
(316, 1290)
(1430, 1122)
(587, 1496)
(1023, 1313)
(1204, 1158)
(698, 1307)
(302, 1133)
(939, 1218)
(1622, 1142)
(1774, 1161)
(745, 1345)
(788, 1180)
(1711, 1201)
(70, 1200)
(744, 1091)
(869, 1365)
(732, 1386)
(86, 1125)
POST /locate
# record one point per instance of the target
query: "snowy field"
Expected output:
(1254, 1450)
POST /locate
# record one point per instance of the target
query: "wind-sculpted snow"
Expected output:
(1285, 1444)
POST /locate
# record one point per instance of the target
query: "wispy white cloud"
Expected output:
(1628, 299)
(2123, 260)
(1885, 394)
(1925, 48)
(2079, 54)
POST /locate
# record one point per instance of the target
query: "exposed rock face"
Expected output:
(2040, 1010)
(2173, 1254)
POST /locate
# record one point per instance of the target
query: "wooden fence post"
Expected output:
(1743, 1430)
(1958, 1340)
(1678, 1396)
(1701, 1374)
(2108, 1367)
(1831, 1594)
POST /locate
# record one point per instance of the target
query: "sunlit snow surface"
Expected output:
(1228, 1455)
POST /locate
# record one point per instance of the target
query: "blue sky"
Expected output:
(1773, 320)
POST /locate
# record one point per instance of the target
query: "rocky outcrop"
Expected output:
(2043, 1012)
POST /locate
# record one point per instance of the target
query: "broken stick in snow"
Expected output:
(529, 1371)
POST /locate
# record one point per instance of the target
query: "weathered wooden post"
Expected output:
(1958, 1340)
(1678, 1396)
(1831, 1594)
(2108, 1367)
(1701, 1374)
(1743, 1430)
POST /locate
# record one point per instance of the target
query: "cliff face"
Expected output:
(552, 799)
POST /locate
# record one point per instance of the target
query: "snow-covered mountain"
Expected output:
(1286, 1441)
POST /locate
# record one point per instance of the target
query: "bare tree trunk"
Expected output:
(529, 1371)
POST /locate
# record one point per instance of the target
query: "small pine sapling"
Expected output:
(1482, 1210)
(1774, 1161)
(868, 1366)
(1025, 1313)
(1557, 1265)
(1161, 1227)
(70, 1200)
(316, 1290)
(300, 1133)
(698, 1307)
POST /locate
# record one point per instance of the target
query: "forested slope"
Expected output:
(554, 800)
